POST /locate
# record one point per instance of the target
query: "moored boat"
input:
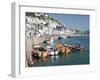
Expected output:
(74, 48)
(39, 52)
(52, 51)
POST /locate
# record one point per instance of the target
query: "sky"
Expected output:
(75, 21)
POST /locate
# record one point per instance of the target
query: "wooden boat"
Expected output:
(62, 49)
(65, 49)
(39, 52)
(74, 48)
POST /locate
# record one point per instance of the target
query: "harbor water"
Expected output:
(73, 58)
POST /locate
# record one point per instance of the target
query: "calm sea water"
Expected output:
(73, 58)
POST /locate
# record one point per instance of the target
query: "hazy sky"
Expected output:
(80, 22)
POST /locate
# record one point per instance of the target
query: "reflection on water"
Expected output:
(73, 58)
(69, 59)
(54, 59)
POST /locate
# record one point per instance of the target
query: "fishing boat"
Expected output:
(74, 48)
(52, 51)
(39, 52)
(62, 49)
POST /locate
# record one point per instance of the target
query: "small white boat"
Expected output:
(51, 51)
